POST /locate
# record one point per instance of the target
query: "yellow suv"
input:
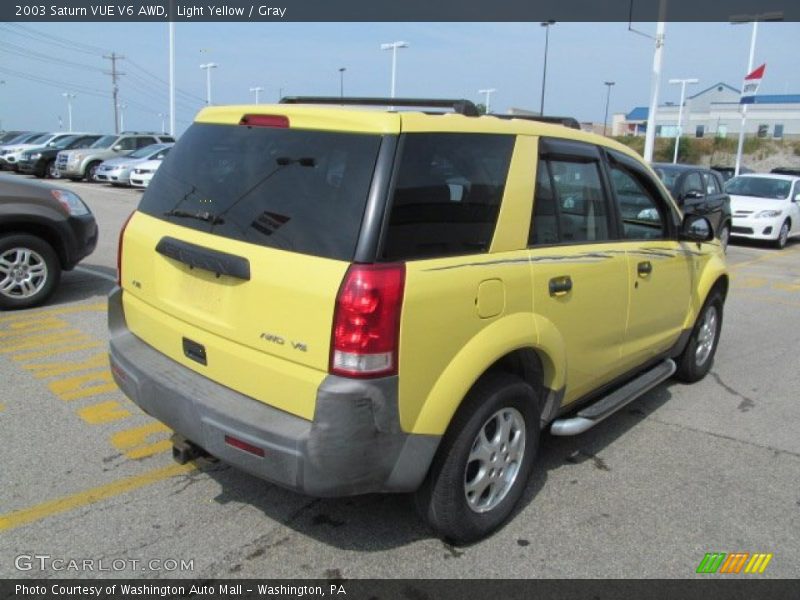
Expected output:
(345, 299)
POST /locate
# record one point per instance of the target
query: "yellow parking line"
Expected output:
(766, 257)
(21, 316)
(91, 496)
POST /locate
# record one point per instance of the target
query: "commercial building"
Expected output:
(716, 111)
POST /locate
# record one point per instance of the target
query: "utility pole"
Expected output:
(679, 129)
(114, 57)
(547, 25)
(69, 98)
(257, 90)
(488, 93)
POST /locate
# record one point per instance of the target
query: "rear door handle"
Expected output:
(560, 286)
(644, 268)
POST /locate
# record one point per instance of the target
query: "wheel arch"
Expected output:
(40, 230)
(523, 354)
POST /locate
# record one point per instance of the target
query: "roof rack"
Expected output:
(460, 106)
(565, 121)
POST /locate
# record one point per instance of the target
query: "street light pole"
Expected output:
(163, 122)
(488, 93)
(69, 98)
(257, 90)
(341, 81)
(679, 130)
(608, 84)
(546, 25)
(740, 146)
(208, 67)
(393, 46)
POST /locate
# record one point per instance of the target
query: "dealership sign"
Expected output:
(751, 83)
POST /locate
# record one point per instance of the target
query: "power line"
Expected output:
(56, 40)
(21, 51)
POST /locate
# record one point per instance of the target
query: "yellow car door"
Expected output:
(580, 281)
(659, 267)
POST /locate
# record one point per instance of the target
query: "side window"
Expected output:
(141, 142)
(693, 183)
(712, 187)
(643, 217)
(447, 195)
(544, 225)
(127, 143)
(580, 200)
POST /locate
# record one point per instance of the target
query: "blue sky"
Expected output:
(444, 60)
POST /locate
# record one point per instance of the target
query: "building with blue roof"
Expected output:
(717, 111)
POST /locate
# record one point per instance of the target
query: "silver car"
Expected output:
(117, 171)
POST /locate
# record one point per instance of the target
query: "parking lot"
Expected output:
(683, 471)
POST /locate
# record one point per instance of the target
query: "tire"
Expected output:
(51, 171)
(783, 236)
(725, 237)
(442, 500)
(697, 358)
(91, 169)
(76, 178)
(29, 271)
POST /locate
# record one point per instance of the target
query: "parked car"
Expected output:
(728, 172)
(117, 171)
(80, 164)
(765, 207)
(144, 172)
(794, 171)
(345, 300)
(13, 156)
(41, 161)
(44, 230)
(14, 144)
(700, 191)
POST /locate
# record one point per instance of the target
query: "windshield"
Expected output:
(104, 142)
(668, 176)
(298, 190)
(64, 141)
(759, 187)
(145, 152)
(42, 139)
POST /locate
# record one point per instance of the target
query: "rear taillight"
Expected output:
(119, 248)
(366, 323)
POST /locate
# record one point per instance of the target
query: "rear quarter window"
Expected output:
(297, 190)
(447, 195)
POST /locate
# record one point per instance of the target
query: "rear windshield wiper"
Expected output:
(209, 217)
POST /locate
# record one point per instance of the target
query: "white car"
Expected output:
(12, 153)
(765, 207)
(117, 171)
(144, 172)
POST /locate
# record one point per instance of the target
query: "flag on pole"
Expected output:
(751, 83)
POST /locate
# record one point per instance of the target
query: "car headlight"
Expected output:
(34, 156)
(768, 214)
(71, 203)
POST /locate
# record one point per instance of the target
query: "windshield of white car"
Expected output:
(759, 187)
(146, 151)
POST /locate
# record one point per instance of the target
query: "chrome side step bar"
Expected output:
(591, 415)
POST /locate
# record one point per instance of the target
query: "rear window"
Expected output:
(297, 190)
(447, 195)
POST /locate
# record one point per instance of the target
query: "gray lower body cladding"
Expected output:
(354, 444)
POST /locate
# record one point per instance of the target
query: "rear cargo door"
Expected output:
(232, 264)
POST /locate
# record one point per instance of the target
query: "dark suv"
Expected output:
(42, 161)
(43, 230)
(698, 190)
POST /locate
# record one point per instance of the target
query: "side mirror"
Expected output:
(696, 228)
(796, 198)
(117, 148)
(692, 195)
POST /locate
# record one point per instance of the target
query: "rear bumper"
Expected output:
(354, 444)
